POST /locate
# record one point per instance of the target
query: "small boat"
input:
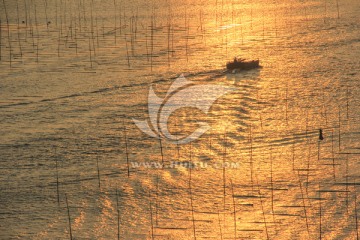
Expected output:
(242, 64)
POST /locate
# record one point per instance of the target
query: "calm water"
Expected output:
(75, 73)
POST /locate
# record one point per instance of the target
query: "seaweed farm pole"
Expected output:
(37, 35)
(251, 157)
(0, 38)
(187, 35)
(275, 19)
(319, 150)
(97, 32)
(168, 43)
(8, 28)
(223, 171)
(262, 208)
(91, 64)
(118, 215)
(356, 217)
(59, 38)
(304, 206)
(325, 12)
(272, 185)
(120, 23)
(332, 152)
(152, 39)
(26, 17)
(241, 28)
(57, 179)
(151, 218)
(98, 171)
(146, 44)
(68, 212)
(127, 52)
(219, 221)
(157, 201)
(46, 16)
(286, 103)
(320, 220)
(92, 27)
(293, 154)
(263, 25)
(339, 129)
(347, 183)
(56, 12)
(347, 102)
(18, 29)
(75, 37)
(115, 20)
(161, 151)
(337, 7)
(126, 151)
(234, 206)
(191, 196)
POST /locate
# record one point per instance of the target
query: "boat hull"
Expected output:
(242, 65)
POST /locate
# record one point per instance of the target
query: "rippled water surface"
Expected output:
(74, 75)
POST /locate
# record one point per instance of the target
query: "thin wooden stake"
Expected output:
(161, 151)
(151, 218)
(339, 129)
(356, 216)
(191, 195)
(126, 151)
(18, 29)
(118, 215)
(68, 212)
(57, 179)
(98, 171)
(0, 38)
(8, 29)
(320, 220)
(263, 211)
(332, 152)
(234, 209)
(219, 221)
(304, 206)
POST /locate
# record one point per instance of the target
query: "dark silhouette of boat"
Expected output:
(242, 64)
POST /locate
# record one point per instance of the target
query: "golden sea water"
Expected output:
(74, 75)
